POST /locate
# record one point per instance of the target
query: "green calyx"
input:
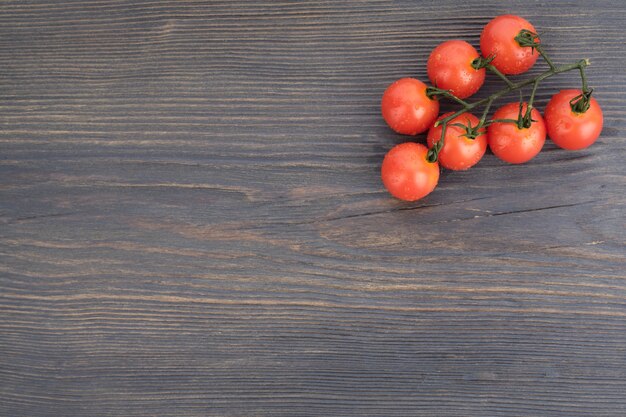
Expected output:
(527, 38)
(482, 62)
(524, 121)
(470, 132)
(581, 103)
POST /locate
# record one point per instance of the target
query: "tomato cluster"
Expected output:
(458, 140)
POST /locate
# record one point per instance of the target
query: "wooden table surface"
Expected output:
(192, 221)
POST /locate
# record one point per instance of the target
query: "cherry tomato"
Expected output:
(571, 130)
(498, 38)
(512, 144)
(407, 109)
(459, 152)
(450, 68)
(407, 174)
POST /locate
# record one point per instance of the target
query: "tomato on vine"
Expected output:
(569, 128)
(450, 68)
(458, 140)
(463, 144)
(407, 174)
(407, 108)
(514, 143)
(498, 41)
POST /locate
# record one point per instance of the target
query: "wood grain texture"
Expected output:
(192, 221)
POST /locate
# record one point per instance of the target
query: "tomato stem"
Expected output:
(526, 120)
(481, 62)
(580, 104)
(583, 77)
(499, 74)
(527, 38)
(433, 92)
(532, 94)
(433, 152)
(483, 118)
(543, 54)
(516, 86)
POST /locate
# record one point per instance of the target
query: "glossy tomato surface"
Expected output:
(407, 174)
(450, 68)
(498, 39)
(407, 109)
(512, 144)
(459, 152)
(569, 129)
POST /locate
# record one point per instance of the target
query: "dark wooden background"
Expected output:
(192, 221)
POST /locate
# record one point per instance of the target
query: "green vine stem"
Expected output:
(580, 103)
(499, 74)
(483, 118)
(525, 38)
(545, 57)
(481, 62)
(432, 92)
(583, 78)
(525, 121)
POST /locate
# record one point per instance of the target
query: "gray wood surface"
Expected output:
(192, 221)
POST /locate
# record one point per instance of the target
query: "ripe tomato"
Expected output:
(407, 174)
(571, 130)
(498, 38)
(512, 144)
(407, 109)
(450, 68)
(459, 152)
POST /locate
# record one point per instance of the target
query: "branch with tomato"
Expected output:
(517, 131)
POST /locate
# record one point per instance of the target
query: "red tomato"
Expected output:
(407, 109)
(459, 152)
(512, 144)
(450, 68)
(498, 38)
(571, 130)
(407, 174)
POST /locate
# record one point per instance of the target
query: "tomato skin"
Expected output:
(407, 174)
(498, 38)
(459, 152)
(512, 144)
(407, 109)
(450, 68)
(571, 130)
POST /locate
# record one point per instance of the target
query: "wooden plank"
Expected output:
(192, 221)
